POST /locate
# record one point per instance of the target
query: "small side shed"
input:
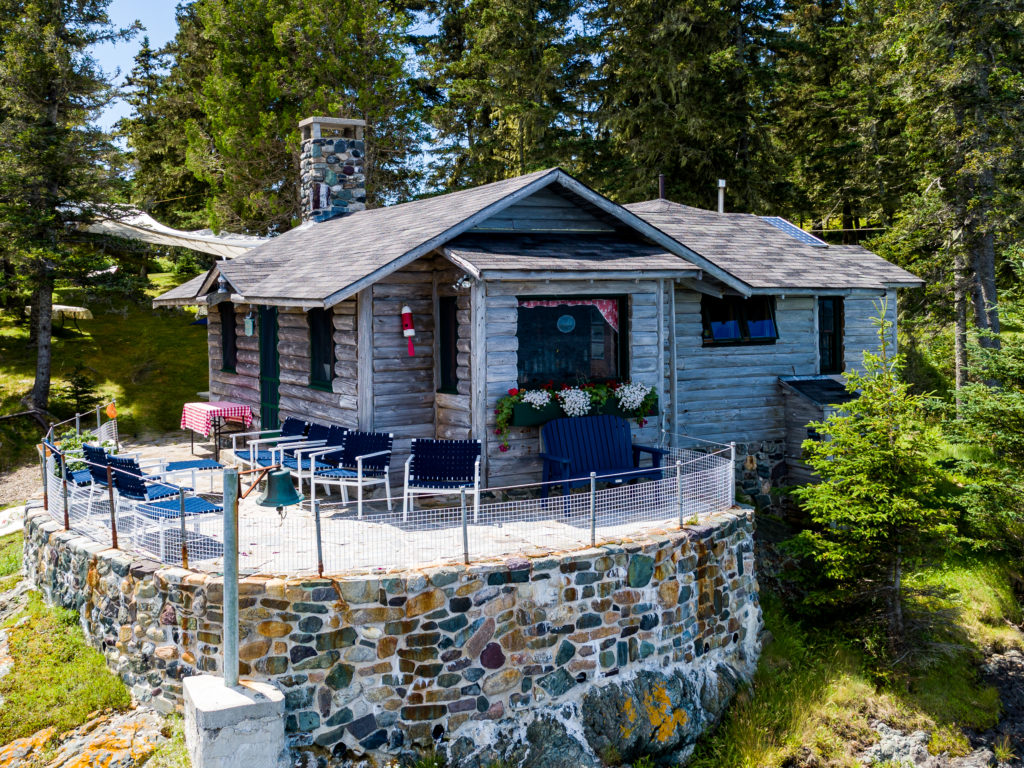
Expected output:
(807, 399)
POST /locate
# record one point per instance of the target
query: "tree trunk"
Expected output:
(960, 326)
(44, 329)
(897, 629)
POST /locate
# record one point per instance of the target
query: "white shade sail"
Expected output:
(136, 225)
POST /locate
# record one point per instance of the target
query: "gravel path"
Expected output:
(19, 485)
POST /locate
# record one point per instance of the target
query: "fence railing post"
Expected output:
(78, 424)
(184, 541)
(230, 577)
(593, 509)
(465, 527)
(99, 419)
(732, 474)
(113, 509)
(46, 481)
(679, 490)
(319, 541)
(64, 478)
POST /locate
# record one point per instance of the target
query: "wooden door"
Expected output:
(270, 369)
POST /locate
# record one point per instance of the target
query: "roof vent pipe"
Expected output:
(661, 186)
(721, 195)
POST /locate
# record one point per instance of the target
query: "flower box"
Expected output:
(612, 408)
(525, 415)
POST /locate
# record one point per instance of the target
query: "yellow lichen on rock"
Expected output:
(659, 710)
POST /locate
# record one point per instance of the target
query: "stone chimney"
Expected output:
(331, 161)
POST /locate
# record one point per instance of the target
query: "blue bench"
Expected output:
(575, 447)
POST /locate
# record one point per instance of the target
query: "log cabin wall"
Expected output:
(520, 463)
(453, 417)
(297, 398)
(243, 384)
(402, 386)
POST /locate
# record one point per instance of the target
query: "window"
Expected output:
(228, 337)
(321, 348)
(571, 340)
(447, 344)
(734, 320)
(830, 334)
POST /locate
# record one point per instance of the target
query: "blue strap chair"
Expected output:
(575, 447)
(168, 509)
(307, 457)
(316, 437)
(439, 467)
(292, 430)
(131, 483)
(364, 460)
(192, 466)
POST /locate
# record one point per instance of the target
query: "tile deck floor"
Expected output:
(273, 543)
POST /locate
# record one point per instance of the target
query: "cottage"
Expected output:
(522, 281)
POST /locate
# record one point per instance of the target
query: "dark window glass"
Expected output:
(830, 334)
(735, 320)
(447, 338)
(571, 340)
(321, 348)
(228, 338)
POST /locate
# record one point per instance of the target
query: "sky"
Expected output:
(157, 16)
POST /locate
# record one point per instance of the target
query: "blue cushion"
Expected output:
(293, 463)
(178, 466)
(80, 476)
(194, 505)
(262, 457)
(154, 491)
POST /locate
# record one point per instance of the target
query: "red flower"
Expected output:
(497, 431)
(513, 392)
(502, 448)
(565, 387)
(643, 422)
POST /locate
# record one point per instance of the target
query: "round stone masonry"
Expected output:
(488, 661)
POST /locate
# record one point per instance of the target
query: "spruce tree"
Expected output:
(55, 165)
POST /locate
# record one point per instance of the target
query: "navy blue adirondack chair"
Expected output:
(575, 447)
(364, 459)
(292, 430)
(316, 437)
(442, 466)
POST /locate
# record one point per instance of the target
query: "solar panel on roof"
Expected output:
(794, 231)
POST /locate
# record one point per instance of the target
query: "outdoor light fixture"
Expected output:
(462, 283)
(222, 284)
(250, 323)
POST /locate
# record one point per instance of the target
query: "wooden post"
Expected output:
(231, 484)
(593, 509)
(181, 514)
(319, 541)
(64, 477)
(113, 513)
(46, 485)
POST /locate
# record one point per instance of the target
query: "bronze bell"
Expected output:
(280, 492)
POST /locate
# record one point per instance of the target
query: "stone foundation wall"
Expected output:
(761, 471)
(607, 653)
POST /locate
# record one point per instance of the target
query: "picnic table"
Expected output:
(207, 417)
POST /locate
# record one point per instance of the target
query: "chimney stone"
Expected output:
(332, 167)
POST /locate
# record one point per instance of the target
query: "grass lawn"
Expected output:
(56, 679)
(814, 696)
(151, 360)
(10, 560)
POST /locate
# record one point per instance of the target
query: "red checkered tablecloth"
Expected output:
(199, 416)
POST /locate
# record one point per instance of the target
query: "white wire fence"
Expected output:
(692, 483)
(98, 421)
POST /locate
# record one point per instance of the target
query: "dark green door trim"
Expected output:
(270, 369)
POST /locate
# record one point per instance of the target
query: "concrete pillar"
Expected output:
(241, 727)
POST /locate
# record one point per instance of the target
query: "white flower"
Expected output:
(538, 398)
(575, 402)
(632, 395)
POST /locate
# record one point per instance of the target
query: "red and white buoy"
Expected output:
(407, 329)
